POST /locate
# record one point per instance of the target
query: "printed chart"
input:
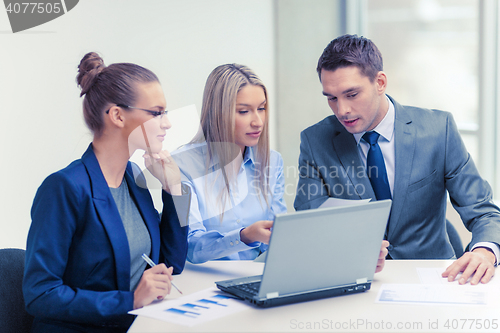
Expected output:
(208, 304)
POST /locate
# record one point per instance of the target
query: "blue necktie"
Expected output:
(375, 167)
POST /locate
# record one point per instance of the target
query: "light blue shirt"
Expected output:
(386, 142)
(211, 237)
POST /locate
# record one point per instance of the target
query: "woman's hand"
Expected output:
(154, 284)
(260, 231)
(163, 167)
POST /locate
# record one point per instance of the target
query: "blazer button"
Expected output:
(390, 247)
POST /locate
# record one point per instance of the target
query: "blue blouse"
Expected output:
(210, 236)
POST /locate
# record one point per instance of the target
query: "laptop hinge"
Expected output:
(360, 281)
(272, 295)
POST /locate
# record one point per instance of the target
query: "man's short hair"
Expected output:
(351, 50)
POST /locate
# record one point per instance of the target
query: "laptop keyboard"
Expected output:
(251, 288)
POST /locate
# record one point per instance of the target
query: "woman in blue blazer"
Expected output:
(92, 220)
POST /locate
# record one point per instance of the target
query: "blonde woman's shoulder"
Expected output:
(275, 158)
(191, 157)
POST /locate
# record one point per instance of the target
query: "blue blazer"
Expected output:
(430, 160)
(77, 272)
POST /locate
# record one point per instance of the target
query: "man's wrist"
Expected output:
(488, 252)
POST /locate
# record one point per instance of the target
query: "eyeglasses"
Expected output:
(154, 113)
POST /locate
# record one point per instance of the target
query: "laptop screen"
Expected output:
(322, 248)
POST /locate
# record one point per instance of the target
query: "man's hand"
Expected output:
(381, 256)
(478, 264)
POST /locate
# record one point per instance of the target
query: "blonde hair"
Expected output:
(217, 125)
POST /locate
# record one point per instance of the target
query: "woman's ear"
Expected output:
(115, 116)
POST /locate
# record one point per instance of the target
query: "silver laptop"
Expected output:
(317, 253)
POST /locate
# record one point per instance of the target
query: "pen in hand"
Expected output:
(152, 264)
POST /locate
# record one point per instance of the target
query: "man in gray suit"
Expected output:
(373, 147)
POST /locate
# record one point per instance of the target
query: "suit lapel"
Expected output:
(110, 218)
(348, 155)
(142, 199)
(404, 148)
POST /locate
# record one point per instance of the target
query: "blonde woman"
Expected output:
(236, 181)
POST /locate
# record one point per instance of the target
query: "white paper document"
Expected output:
(335, 202)
(432, 294)
(197, 308)
(432, 275)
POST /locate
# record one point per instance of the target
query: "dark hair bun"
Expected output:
(88, 70)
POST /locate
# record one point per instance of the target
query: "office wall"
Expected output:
(303, 29)
(42, 128)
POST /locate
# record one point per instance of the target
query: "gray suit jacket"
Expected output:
(430, 159)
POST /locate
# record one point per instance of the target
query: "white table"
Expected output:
(351, 313)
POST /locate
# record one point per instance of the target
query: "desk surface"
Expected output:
(351, 313)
